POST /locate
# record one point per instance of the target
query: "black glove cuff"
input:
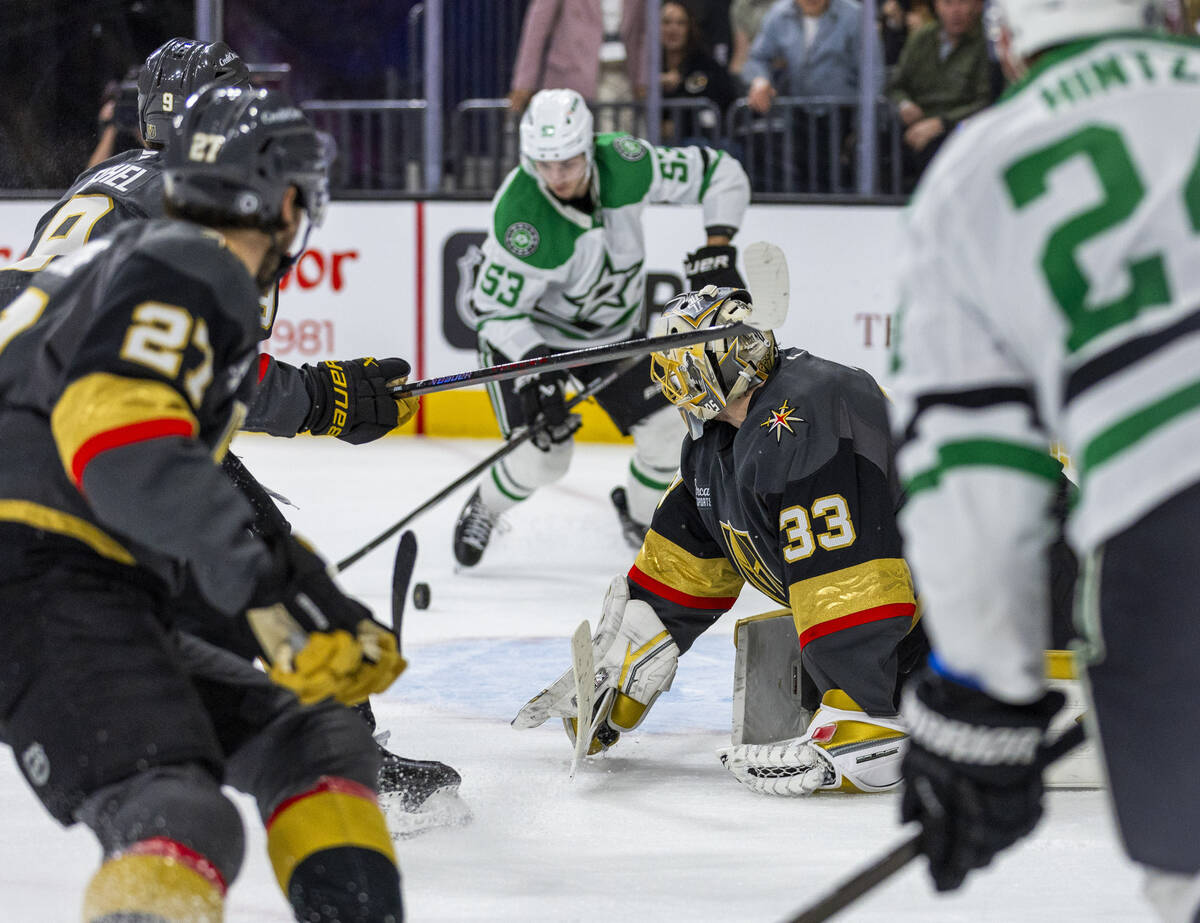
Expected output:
(974, 729)
(313, 384)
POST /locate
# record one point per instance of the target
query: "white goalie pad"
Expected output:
(843, 749)
(767, 680)
(635, 660)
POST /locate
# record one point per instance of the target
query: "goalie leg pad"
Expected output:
(843, 749)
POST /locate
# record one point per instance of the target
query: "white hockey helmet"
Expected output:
(557, 125)
(701, 379)
(1034, 25)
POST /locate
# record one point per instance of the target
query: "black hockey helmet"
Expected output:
(235, 152)
(176, 70)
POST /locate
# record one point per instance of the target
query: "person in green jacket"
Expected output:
(943, 76)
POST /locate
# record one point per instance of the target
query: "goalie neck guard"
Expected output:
(702, 379)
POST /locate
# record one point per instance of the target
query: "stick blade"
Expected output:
(402, 571)
(584, 667)
(769, 285)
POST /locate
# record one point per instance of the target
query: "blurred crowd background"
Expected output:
(777, 83)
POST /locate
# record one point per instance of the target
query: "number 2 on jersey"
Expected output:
(1123, 190)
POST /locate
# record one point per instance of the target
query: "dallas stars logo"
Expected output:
(610, 290)
(779, 420)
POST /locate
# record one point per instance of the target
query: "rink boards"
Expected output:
(381, 278)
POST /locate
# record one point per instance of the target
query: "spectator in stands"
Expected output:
(897, 20)
(712, 28)
(561, 44)
(745, 19)
(819, 43)
(942, 77)
(690, 72)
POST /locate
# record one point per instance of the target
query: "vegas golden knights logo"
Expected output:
(750, 563)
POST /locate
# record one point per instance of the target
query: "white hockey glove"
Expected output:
(843, 749)
(635, 662)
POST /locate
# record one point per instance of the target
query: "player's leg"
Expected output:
(313, 772)
(1137, 607)
(108, 731)
(638, 409)
(405, 785)
(514, 478)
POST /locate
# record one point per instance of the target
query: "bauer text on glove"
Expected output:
(352, 399)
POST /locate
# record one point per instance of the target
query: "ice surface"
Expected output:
(656, 830)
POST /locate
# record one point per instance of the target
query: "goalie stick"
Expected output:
(583, 666)
(767, 275)
(904, 852)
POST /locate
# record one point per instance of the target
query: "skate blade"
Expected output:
(441, 809)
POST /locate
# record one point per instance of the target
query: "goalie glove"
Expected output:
(973, 777)
(353, 400)
(635, 660)
(843, 749)
(316, 640)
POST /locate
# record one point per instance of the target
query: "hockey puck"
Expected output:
(421, 595)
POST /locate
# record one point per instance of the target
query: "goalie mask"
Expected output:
(702, 379)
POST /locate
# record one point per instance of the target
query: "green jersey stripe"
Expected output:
(1136, 426)
(989, 453)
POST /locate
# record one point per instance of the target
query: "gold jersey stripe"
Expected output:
(49, 519)
(156, 887)
(320, 821)
(668, 563)
(101, 403)
(882, 582)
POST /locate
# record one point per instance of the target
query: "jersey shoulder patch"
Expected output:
(625, 169)
(527, 226)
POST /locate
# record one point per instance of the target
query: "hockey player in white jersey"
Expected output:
(562, 267)
(1051, 291)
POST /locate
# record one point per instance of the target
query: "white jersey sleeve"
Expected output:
(700, 175)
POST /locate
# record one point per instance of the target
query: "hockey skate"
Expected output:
(473, 531)
(634, 531)
(418, 795)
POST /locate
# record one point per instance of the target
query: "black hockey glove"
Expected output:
(544, 405)
(319, 642)
(352, 399)
(712, 266)
(972, 774)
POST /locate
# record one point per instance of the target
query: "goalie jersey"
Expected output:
(799, 502)
(128, 187)
(122, 379)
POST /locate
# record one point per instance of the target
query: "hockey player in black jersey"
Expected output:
(786, 483)
(289, 399)
(122, 377)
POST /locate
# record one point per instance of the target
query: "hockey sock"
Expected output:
(332, 855)
(157, 879)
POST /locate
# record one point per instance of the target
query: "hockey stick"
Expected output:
(402, 571)
(583, 666)
(518, 437)
(904, 852)
(766, 270)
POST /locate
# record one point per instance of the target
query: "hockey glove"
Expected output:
(352, 399)
(635, 659)
(319, 642)
(973, 773)
(712, 266)
(544, 406)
